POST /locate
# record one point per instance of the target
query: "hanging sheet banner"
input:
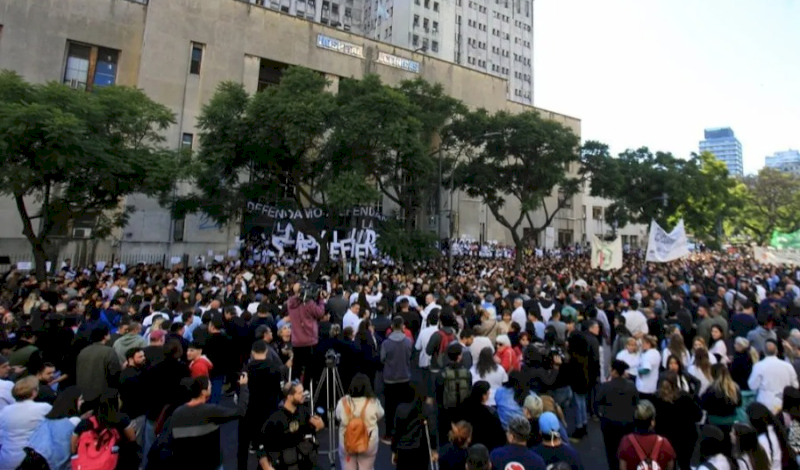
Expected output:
(606, 255)
(286, 229)
(776, 257)
(664, 247)
(781, 240)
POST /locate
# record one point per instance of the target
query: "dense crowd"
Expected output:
(687, 364)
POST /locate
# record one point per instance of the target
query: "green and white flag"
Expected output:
(783, 241)
(606, 255)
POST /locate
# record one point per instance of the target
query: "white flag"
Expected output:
(776, 257)
(664, 247)
(606, 255)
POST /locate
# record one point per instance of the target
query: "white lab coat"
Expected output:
(768, 379)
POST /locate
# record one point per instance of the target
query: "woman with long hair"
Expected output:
(486, 427)
(686, 382)
(367, 347)
(747, 451)
(791, 418)
(677, 415)
(488, 370)
(718, 347)
(453, 455)
(721, 399)
(51, 441)
(771, 436)
(714, 450)
(701, 369)
(415, 433)
(107, 421)
(360, 402)
(676, 348)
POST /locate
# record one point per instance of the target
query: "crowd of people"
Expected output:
(690, 364)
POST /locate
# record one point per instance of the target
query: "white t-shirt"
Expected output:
(496, 379)
(519, 317)
(422, 344)
(632, 360)
(648, 383)
(635, 322)
(478, 344)
(352, 320)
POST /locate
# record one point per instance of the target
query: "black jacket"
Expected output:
(409, 427)
(221, 351)
(616, 400)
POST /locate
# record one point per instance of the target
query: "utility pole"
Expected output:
(439, 201)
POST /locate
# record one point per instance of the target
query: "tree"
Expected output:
(68, 155)
(642, 185)
(771, 202)
(521, 157)
(390, 132)
(712, 197)
(280, 142)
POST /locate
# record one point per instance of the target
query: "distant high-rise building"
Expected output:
(788, 161)
(726, 147)
(493, 36)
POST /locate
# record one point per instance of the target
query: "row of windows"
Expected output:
(522, 94)
(501, 52)
(523, 26)
(500, 34)
(434, 44)
(476, 43)
(475, 24)
(475, 61)
(428, 4)
(523, 42)
(477, 6)
(500, 16)
(426, 24)
(499, 69)
(522, 59)
(522, 76)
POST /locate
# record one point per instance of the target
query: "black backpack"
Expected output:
(457, 386)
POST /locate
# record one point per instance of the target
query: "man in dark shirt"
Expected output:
(285, 430)
(744, 322)
(154, 353)
(264, 380)
(616, 402)
(221, 351)
(45, 375)
(516, 454)
(131, 391)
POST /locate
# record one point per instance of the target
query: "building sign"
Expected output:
(398, 62)
(336, 45)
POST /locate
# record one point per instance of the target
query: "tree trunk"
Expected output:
(520, 246)
(40, 260)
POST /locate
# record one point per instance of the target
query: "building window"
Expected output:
(435, 46)
(415, 40)
(435, 6)
(178, 226)
(196, 59)
(187, 141)
(90, 66)
(427, 3)
(416, 20)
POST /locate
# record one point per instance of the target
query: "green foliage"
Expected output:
(406, 246)
(79, 154)
(712, 197)
(771, 201)
(636, 182)
(520, 157)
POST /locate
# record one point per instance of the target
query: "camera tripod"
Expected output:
(331, 384)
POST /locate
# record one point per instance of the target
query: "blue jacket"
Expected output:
(396, 358)
(52, 441)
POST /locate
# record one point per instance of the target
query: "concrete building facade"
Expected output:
(787, 161)
(178, 51)
(726, 147)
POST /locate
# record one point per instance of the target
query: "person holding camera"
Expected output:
(289, 435)
(306, 308)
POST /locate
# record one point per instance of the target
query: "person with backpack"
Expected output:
(103, 440)
(453, 387)
(643, 449)
(440, 340)
(358, 413)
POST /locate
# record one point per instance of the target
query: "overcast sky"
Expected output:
(655, 73)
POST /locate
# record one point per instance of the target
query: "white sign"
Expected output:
(341, 47)
(664, 247)
(606, 255)
(549, 238)
(175, 260)
(398, 62)
(776, 257)
(233, 253)
(358, 242)
(24, 265)
(100, 266)
(219, 258)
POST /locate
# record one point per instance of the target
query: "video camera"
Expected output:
(310, 291)
(332, 358)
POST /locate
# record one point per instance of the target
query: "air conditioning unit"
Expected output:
(81, 233)
(74, 84)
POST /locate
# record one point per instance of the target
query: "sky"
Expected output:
(655, 73)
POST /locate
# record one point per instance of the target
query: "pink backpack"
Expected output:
(97, 450)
